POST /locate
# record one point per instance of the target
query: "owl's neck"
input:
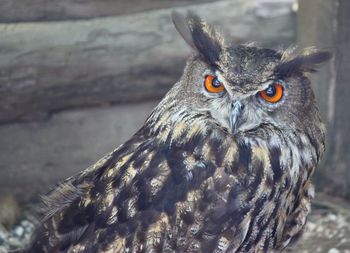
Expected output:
(169, 117)
(298, 154)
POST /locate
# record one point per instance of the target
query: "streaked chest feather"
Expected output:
(192, 187)
(205, 191)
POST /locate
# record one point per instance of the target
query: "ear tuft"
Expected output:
(307, 60)
(181, 25)
(199, 35)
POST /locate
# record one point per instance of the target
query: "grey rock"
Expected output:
(19, 231)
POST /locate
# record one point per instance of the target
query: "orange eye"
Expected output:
(273, 93)
(213, 85)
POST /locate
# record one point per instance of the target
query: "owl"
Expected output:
(222, 164)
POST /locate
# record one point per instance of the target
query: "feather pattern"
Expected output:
(226, 172)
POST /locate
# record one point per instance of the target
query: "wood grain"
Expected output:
(51, 66)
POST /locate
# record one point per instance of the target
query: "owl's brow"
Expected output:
(289, 68)
(302, 63)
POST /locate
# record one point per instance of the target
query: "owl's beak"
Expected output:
(236, 113)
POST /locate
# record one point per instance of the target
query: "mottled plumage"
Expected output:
(208, 172)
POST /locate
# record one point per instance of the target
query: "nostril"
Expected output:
(237, 106)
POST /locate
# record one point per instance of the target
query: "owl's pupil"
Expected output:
(216, 83)
(271, 91)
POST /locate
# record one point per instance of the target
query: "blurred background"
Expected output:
(79, 77)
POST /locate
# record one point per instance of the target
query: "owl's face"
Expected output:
(244, 87)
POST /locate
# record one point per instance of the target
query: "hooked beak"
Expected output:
(235, 115)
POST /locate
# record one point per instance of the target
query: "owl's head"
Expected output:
(244, 87)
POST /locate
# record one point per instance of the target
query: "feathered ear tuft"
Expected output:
(307, 60)
(199, 35)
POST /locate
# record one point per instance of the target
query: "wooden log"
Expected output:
(325, 24)
(47, 67)
(47, 10)
(341, 125)
(35, 156)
